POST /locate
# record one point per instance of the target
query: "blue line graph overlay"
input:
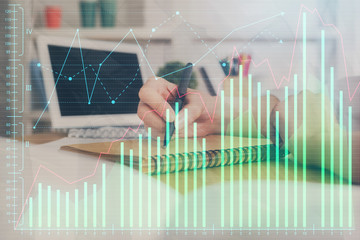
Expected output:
(90, 95)
(57, 80)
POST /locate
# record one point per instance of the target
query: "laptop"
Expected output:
(91, 83)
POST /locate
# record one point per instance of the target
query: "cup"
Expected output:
(88, 13)
(53, 16)
(108, 13)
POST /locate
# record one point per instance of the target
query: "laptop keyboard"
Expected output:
(106, 132)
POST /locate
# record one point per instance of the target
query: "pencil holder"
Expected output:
(108, 13)
(88, 13)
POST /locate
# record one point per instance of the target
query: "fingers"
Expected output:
(156, 93)
(194, 111)
(154, 132)
(154, 96)
(151, 118)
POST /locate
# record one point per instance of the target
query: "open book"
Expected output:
(151, 157)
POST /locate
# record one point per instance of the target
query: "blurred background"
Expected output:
(186, 30)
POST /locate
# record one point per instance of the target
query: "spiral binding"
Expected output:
(213, 158)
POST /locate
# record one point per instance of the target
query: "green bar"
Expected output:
(176, 166)
(286, 157)
(131, 187)
(58, 208)
(195, 174)
(31, 211)
(240, 143)
(222, 160)
(341, 160)
(350, 167)
(268, 112)
(49, 206)
(304, 119)
(259, 154)
(122, 185)
(322, 128)
(94, 206)
(250, 153)
(149, 177)
(103, 200)
(332, 197)
(40, 205)
(168, 169)
(140, 181)
(277, 196)
(67, 209)
(186, 170)
(76, 208)
(85, 205)
(204, 184)
(231, 152)
(295, 151)
(158, 181)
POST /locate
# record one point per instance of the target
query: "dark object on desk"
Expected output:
(225, 66)
(180, 99)
(235, 67)
(208, 84)
(230, 68)
(234, 63)
(175, 76)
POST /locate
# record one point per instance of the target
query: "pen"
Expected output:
(182, 89)
(207, 81)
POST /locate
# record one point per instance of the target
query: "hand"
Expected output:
(314, 134)
(313, 126)
(155, 98)
(313, 115)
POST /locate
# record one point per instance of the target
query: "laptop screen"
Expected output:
(95, 82)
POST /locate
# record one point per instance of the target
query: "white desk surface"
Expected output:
(73, 166)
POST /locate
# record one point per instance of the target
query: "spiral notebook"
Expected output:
(178, 156)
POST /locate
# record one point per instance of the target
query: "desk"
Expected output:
(213, 175)
(75, 166)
